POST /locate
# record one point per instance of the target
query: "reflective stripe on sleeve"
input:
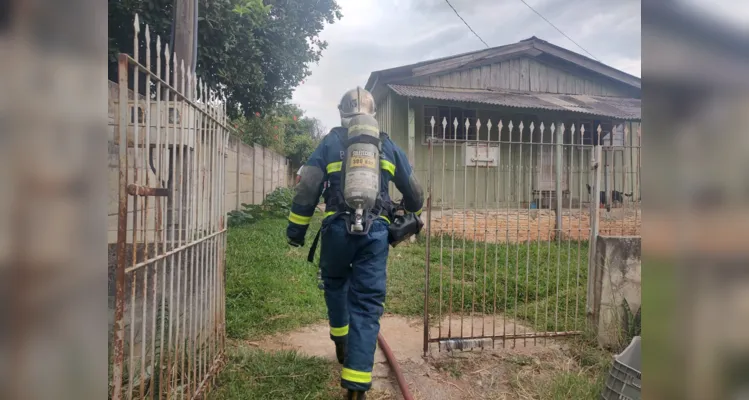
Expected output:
(334, 167)
(388, 166)
(338, 332)
(299, 219)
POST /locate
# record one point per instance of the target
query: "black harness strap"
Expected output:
(313, 249)
(316, 241)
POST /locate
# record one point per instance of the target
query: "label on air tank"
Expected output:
(367, 161)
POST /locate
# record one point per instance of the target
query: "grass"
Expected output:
(542, 283)
(254, 374)
(271, 288)
(582, 381)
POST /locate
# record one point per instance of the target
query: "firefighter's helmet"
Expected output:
(355, 102)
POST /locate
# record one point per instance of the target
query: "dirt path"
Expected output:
(477, 374)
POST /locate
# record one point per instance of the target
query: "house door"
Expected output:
(546, 169)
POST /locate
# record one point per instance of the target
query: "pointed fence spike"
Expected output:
(136, 23)
(431, 121)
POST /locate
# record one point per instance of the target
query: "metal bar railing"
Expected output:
(168, 337)
(522, 203)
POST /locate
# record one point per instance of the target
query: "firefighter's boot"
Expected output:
(340, 352)
(356, 395)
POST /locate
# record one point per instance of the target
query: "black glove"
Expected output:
(295, 235)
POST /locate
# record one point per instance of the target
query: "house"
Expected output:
(529, 82)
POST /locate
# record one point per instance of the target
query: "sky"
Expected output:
(380, 34)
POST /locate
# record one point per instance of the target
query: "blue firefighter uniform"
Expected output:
(353, 266)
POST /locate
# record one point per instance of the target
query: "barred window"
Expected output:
(450, 114)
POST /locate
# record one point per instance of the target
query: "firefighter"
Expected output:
(357, 161)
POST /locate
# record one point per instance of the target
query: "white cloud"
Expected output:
(631, 66)
(380, 34)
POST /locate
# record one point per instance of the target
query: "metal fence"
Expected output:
(508, 264)
(168, 331)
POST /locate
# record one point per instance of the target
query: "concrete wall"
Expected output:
(252, 172)
(617, 277)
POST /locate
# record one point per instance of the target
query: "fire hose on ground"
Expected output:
(394, 367)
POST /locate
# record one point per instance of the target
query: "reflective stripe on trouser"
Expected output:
(354, 273)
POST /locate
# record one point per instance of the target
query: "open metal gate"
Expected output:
(509, 224)
(170, 139)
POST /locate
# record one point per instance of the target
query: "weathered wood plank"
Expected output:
(465, 79)
(515, 74)
(562, 82)
(534, 76)
(571, 79)
(445, 80)
(486, 71)
(525, 74)
(504, 75)
(494, 78)
(434, 81)
(553, 77)
(543, 79)
(598, 89)
(454, 80)
(475, 78)
(579, 86)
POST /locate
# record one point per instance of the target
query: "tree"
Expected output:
(285, 129)
(254, 52)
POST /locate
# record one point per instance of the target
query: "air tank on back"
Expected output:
(361, 182)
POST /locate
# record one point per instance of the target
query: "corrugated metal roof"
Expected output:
(603, 106)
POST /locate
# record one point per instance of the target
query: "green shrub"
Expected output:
(276, 204)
